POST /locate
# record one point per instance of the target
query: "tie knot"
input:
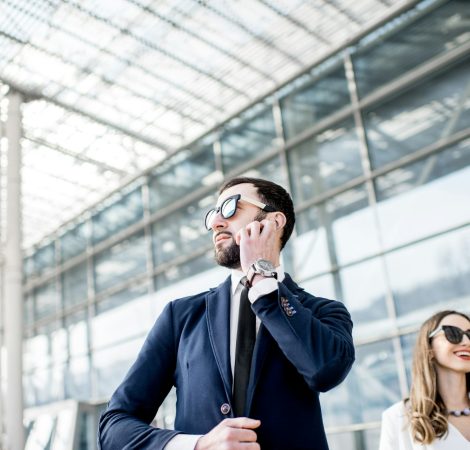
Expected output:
(244, 282)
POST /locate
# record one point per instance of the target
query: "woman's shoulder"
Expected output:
(397, 411)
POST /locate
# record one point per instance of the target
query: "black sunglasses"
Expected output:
(453, 334)
(229, 206)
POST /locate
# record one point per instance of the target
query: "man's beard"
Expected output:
(228, 257)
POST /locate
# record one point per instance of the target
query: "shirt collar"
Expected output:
(236, 275)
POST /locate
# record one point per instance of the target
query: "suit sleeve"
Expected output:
(125, 424)
(315, 335)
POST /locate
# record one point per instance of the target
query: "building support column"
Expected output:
(13, 300)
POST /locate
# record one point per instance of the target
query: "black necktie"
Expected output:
(246, 337)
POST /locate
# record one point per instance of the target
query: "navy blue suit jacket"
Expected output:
(304, 346)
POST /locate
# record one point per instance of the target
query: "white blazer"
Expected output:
(396, 435)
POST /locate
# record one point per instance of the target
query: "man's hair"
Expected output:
(273, 195)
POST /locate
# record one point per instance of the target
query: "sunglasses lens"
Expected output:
(228, 208)
(453, 334)
(209, 219)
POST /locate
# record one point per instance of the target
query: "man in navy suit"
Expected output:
(240, 384)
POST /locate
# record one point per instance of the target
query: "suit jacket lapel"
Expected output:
(218, 325)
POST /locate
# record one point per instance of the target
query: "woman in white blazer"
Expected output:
(437, 414)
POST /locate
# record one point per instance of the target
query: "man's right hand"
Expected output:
(231, 434)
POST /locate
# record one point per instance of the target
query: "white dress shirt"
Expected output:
(262, 287)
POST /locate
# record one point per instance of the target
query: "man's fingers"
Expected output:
(242, 422)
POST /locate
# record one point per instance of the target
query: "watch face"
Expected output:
(263, 264)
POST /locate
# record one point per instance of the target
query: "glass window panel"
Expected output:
(370, 388)
(111, 364)
(204, 277)
(77, 378)
(439, 185)
(364, 292)
(44, 258)
(41, 433)
(182, 231)
(304, 108)
(325, 161)
(28, 310)
(120, 298)
(433, 34)
(355, 440)
(77, 332)
(119, 215)
(350, 226)
(431, 276)
(408, 342)
(322, 286)
(270, 170)
(428, 112)
(253, 138)
(182, 174)
(75, 285)
(47, 300)
(132, 319)
(74, 241)
(28, 266)
(63, 438)
(310, 246)
(121, 262)
(48, 384)
(175, 273)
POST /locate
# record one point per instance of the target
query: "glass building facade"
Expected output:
(373, 144)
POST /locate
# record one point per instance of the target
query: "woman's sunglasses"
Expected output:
(229, 207)
(453, 334)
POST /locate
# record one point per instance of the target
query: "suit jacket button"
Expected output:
(225, 408)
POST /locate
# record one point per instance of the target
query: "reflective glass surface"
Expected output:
(131, 320)
(75, 285)
(370, 388)
(74, 241)
(185, 270)
(76, 326)
(364, 292)
(46, 300)
(432, 110)
(431, 275)
(182, 231)
(182, 174)
(325, 161)
(120, 262)
(121, 297)
(111, 364)
(321, 286)
(408, 342)
(248, 141)
(304, 108)
(350, 226)
(435, 33)
(439, 184)
(117, 216)
(77, 378)
(44, 258)
(271, 170)
(367, 439)
(310, 252)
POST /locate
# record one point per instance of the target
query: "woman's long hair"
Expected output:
(428, 415)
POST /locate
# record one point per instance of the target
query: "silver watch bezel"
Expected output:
(257, 269)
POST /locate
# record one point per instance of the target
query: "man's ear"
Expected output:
(280, 220)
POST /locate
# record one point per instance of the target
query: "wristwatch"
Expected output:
(261, 267)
